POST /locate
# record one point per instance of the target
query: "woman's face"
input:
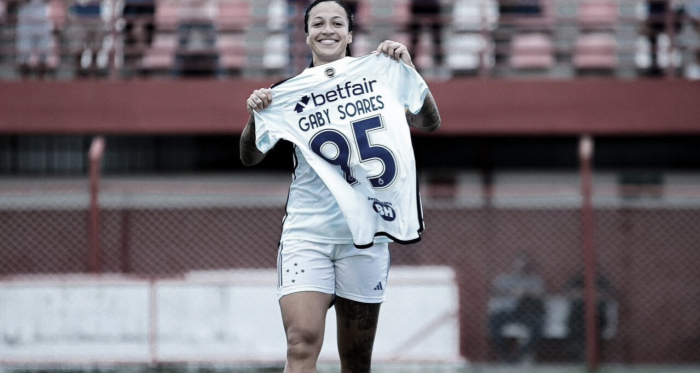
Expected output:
(328, 34)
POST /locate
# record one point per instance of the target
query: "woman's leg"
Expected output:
(304, 319)
(357, 327)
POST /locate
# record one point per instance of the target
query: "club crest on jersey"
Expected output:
(330, 72)
(384, 210)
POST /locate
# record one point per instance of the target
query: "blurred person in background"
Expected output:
(320, 265)
(517, 298)
(139, 22)
(197, 38)
(692, 9)
(34, 41)
(3, 11)
(520, 7)
(655, 29)
(91, 32)
(427, 12)
(576, 322)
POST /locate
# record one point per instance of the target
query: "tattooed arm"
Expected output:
(250, 155)
(258, 100)
(428, 118)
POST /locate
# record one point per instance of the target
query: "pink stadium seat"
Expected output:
(597, 14)
(595, 51)
(401, 14)
(532, 51)
(57, 14)
(161, 55)
(232, 51)
(167, 15)
(233, 15)
(364, 18)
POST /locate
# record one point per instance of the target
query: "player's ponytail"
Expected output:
(348, 12)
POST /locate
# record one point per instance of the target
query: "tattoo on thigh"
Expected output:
(365, 314)
(359, 357)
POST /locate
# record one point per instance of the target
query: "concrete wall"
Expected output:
(229, 316)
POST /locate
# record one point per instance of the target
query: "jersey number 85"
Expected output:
(367, 151)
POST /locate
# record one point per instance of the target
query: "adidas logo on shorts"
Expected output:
(379, 286)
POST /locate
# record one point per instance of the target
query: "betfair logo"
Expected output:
(301, 105)
(340, 92)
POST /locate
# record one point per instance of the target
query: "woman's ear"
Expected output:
(308, 41)
(350, 37)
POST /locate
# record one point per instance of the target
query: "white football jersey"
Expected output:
(347, 122)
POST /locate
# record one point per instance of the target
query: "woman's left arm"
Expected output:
(428, 118)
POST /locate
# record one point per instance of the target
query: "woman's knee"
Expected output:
(303, 343)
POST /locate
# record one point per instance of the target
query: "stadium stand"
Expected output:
(478, 38)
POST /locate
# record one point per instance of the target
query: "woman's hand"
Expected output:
(396, 51)
(259, 100)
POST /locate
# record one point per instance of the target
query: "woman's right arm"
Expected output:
(258, 100)
(250, 155)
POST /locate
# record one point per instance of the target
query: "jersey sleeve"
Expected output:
(268, 124)
(264, 140)
(408, 85)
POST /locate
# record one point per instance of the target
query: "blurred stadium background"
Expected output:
(565, 137)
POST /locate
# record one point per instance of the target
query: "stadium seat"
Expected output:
(233, 15)
(276, 57)
(161, 55)
(596, 51)
(467, 15)
(167, 15)
(401, 14)
(597, 14)
(57, 14)
(277, 15)
(361, 44)
(532, 51)
(232, 52)
(464, 52)
(364, 19)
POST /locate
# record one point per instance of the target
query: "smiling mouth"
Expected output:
(328, 41)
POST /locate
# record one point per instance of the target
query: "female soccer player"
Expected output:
(354, 182)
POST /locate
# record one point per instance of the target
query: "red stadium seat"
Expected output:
(597, 14)
(233, 15)
(167, 15)
(57, 14)
(532, 51)
(401, 14)
(595, 51)
(161, 55)
(232, 51)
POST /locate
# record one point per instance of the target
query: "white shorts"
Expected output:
(338, 269)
